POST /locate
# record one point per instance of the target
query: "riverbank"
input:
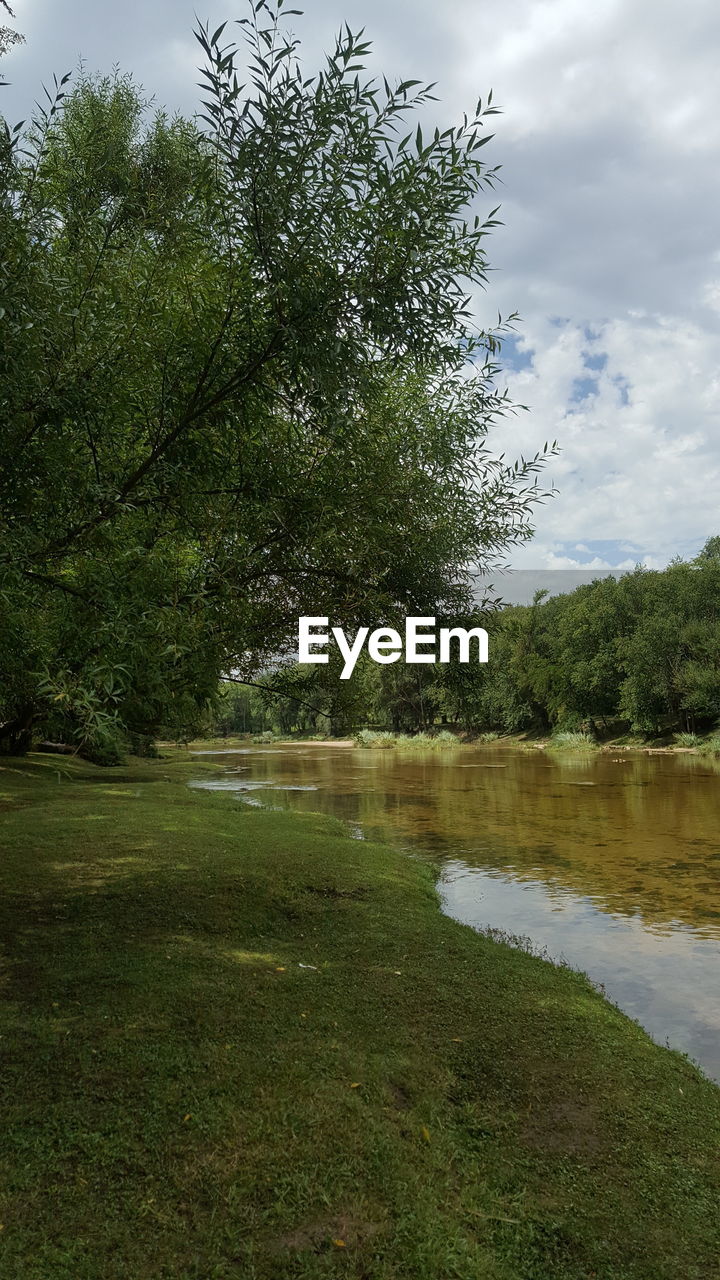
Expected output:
(241, 1044)
(707, 745)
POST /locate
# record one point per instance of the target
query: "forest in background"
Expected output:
(638, 653)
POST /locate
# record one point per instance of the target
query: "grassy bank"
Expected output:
(240, 1045)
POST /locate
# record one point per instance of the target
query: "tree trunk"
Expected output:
(16, 735)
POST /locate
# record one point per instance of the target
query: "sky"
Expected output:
(609, 144)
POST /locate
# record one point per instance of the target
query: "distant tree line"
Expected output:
(641, 652)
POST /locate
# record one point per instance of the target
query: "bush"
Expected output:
(106, 749)
(372, 740)
(142, 744)
(407, 742)
(568, 741)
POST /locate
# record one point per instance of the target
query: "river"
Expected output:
(607, 861)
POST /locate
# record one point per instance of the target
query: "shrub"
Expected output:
(568, 741)
(404, 741)
(106, 749)
(371, 739)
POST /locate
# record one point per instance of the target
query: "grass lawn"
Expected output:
(240, 1044)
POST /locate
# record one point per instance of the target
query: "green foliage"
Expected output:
(239, 710)
(378, 740)
(567, 741)
(222, 342)
(445, 738)
(710, 551)
(641, 652)
(374, 740)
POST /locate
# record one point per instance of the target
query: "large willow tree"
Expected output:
(238, 379)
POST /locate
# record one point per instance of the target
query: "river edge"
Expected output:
(511, 742)
(609, 870)
(299, 1060)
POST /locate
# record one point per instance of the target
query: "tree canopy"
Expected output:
(239, 379)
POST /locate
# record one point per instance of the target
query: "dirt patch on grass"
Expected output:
(568, 1127)
(329, 891)
(343, 1231)
(399, 1097)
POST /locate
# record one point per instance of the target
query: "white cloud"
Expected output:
(610, 146)
(640, 461)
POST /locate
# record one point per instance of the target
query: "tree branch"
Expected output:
(252, 684)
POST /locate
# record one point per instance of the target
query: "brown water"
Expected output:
(610, 862)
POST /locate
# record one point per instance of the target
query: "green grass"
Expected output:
(185, 1098)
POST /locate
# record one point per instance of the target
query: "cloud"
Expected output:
(610, 249)
(640, 460)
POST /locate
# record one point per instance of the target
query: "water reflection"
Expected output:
(610, 861)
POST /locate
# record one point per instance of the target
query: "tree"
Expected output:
(239, 380)
(590, 622)
(8, 37)
(710, 551)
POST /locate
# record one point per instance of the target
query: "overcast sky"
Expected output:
(609, 144)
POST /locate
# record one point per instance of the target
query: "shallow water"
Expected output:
(611, 862)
